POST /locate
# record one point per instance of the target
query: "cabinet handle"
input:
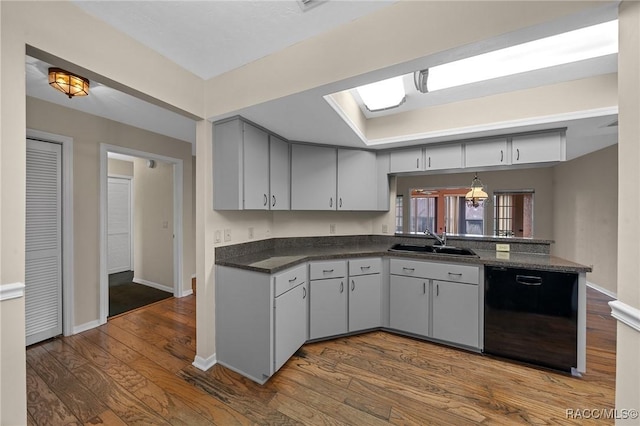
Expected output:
(517, 153)
(273, 201)
(408, 269)
(437, 290)
(501, 155)
(327, 271)
(330, 201)
(340, 202)
(363, 268)
(266, 199)
(304, 293)
(353, 285)
(429, 163)
(341, 286)
(418, 163)
(457, 274)
(293, 279)
(424, 288)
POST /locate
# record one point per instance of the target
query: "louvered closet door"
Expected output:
(119, 225)
(43, 267)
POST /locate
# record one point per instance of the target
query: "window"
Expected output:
(513, 213)
(399, 214)
(444, 209)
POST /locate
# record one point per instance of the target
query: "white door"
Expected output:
(43, 249)
(119, 225)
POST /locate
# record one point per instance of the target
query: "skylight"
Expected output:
(383, 94)
(573, 46)
(585, 43)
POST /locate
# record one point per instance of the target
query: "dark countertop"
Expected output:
(272, 260)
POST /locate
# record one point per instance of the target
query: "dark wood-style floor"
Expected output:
(137, 369)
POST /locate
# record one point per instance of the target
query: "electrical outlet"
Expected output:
(217, 236)
(385, 228)
(503, 247)
(251, 232)
(332, 228)
(227, 234)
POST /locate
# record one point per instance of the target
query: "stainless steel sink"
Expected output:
(446, 250)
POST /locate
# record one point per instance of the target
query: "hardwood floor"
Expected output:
(136, 369)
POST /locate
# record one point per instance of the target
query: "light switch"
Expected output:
(218, 236)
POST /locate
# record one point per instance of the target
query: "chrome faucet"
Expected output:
(442, 240)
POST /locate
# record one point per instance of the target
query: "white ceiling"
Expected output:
(212, 37)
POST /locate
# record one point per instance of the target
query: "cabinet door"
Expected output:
(256, 168)
(279, 174)
(455, 313)
(357, 180)
(328, 308)
(365, 293)
(443, 157)
(409, 305)
(538, 148)
(313, 177)
(487, 153)
(290, 324)
(406, 160)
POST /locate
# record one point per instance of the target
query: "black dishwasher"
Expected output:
(531, 316)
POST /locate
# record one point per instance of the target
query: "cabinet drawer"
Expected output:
(289, 279)
(330, 269)
(453, 272)
(409, 268)
(364, 266)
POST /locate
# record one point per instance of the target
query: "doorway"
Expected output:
(141, 236)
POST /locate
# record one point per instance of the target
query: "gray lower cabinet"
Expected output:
(455, 313)
(290, 311)
(436, 300)
(409, 305)
(328, 308)
(365, 294)
(261, 319)
(328, 298)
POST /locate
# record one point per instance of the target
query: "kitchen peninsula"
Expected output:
(274, 295)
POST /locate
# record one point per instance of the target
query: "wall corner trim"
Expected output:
(204, 363)
(86, 326)
(11, 291)
(625, 314)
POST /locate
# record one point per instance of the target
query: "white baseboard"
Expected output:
(204, 363)
(188, 292)
(152, 284)
(602, 290)
(11, 291)
(625, 314)
(86, 326)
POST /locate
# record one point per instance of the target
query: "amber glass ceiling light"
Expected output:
(68, 83)
(476, 195)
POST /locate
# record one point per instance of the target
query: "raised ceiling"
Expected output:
(211, 38)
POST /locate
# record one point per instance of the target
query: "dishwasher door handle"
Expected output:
(528, 280)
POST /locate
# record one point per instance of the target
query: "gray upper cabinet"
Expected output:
(487, 153)
(538, 148)
(279, 177)
(313, 177)
(357, 180)
(443, 157)
(406, 160)
(256, 168)
(250, 168)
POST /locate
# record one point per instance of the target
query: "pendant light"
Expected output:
(68, 83)
(476, 195)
